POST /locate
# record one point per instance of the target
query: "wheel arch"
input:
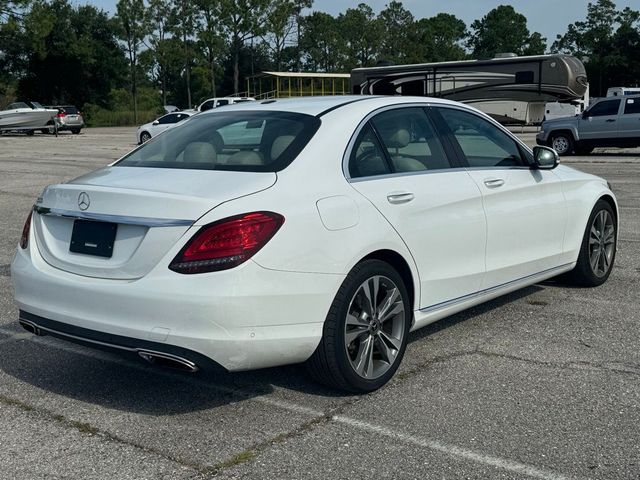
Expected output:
(400, 264)
(614, 206)
(568, 131)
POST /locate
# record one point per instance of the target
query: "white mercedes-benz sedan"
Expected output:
(317, 230)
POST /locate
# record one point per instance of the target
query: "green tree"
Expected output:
(242, 21)
(398, 40)
(362, 35)
(134, 27)
(504, 30)
(280, 26)
(320, 42)
(157, 55)
(71, 54)
(210, 39)
(183, 23)
(440, 38)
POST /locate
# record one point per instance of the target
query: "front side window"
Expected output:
(482, 143)
(171, 118)
(632, 106)
(604, 108)
(208, 105)
(235, 140)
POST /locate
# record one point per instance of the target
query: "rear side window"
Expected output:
(367, 158)
(632, 106)
(482, 143)
(410, 140)
(604, 108)
(234, 140)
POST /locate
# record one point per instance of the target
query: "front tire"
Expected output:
(598, 249)
(366, 331)
(562, 143)
(145, 137)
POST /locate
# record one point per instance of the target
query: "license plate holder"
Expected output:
(93, 238)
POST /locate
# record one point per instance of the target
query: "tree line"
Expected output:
(154, 52)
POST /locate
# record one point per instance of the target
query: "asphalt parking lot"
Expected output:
(543, 383)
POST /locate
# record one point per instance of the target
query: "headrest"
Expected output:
(399, 138)
(200, 152)
(407, 164)
(245, 157)
(280, 144)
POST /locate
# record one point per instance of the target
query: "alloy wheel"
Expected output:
(374, 327)
(602, 238)
(560, 144)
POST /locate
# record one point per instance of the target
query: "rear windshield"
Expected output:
(70, 110)
(228, 140)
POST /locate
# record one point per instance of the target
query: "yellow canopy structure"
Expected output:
(267, 85)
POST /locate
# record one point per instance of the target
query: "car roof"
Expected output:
(320, 105)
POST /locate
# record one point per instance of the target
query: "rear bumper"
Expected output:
(244, 318)
(93, 338)
(68, 125)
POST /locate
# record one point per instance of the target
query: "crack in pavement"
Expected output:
(88, 429)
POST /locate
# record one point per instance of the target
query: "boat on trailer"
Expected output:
(26, 116)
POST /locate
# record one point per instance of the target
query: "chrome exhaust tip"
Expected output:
(30, 327)
(168, 360)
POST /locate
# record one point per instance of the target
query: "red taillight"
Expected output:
(227, 243)
(24, 239)
(61, 115)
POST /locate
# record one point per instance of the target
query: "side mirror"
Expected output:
(585, 114)
(545, 158)
(155, 122)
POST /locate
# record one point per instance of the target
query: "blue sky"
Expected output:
(549, 17)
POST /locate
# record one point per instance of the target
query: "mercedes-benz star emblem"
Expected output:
(83, 201)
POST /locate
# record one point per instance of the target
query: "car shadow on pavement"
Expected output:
(127, 384)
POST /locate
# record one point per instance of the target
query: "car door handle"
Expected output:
(494, 182)
(610, 120)
(400, 197)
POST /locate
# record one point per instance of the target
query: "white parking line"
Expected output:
(454, 451)
(435, 445)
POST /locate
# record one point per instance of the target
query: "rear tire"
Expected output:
(598, 249)
(75, 131)
(364, 341)
(562, 143)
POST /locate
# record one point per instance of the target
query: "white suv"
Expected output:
(222, 101)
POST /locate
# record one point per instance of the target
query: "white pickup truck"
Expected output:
(609, 122)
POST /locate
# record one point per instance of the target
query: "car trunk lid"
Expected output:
(150, 209)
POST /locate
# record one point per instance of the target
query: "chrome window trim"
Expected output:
(354, 136)
(122, 219)
(406, 174)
